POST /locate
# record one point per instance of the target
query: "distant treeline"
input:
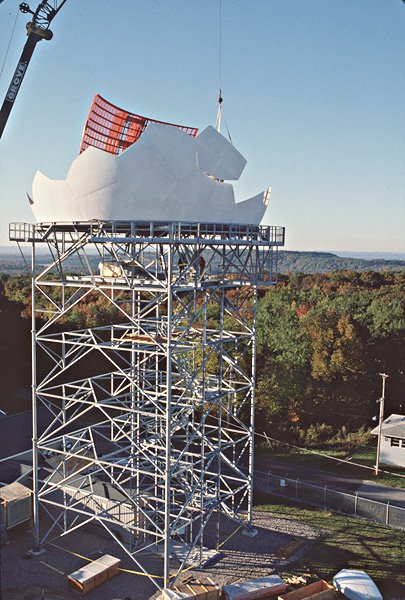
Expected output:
(322, 341)
(324, 262)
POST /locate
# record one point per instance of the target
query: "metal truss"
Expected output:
(158, 440)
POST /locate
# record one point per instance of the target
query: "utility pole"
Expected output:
(380, 422)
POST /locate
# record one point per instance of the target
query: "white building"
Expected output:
(392, 450)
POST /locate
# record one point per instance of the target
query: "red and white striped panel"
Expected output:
(113, 129)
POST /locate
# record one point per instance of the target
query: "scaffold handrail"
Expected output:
(166, 231)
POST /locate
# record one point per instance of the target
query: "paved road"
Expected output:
(382, 493)
(364, 487)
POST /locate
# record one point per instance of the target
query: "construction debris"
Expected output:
(295, 580)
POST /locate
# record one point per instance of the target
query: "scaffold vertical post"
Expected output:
(252, 410)
(35, 510)
(168, 419)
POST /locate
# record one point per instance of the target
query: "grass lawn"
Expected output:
(364, 457)
(348, 542)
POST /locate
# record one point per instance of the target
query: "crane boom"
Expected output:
(37, 30)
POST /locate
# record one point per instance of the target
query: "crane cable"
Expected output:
(220, 49)
(9, 43)
(220, 114)
(219, 100)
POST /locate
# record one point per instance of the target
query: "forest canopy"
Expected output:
(322, 340)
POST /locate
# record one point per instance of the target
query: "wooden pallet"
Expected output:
(197, 589)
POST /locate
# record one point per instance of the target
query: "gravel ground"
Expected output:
(242, 557)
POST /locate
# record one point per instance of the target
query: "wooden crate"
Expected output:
(320, 590)
(94, 574)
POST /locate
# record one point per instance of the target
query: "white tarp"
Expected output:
(172, 595)
(356, 585)
(254, 588)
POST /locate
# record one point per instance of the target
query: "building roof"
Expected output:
(14, 491)
(393, 426)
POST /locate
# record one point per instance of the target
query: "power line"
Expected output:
(342, 414)
(340, 460)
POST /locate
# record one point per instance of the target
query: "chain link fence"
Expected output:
(331, 499)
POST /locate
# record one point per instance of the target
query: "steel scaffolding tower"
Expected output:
(153, 407)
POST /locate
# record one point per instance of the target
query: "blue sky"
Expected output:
(314, 97)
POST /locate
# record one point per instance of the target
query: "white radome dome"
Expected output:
(166, 175)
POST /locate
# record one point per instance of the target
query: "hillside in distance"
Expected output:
(291, 261)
